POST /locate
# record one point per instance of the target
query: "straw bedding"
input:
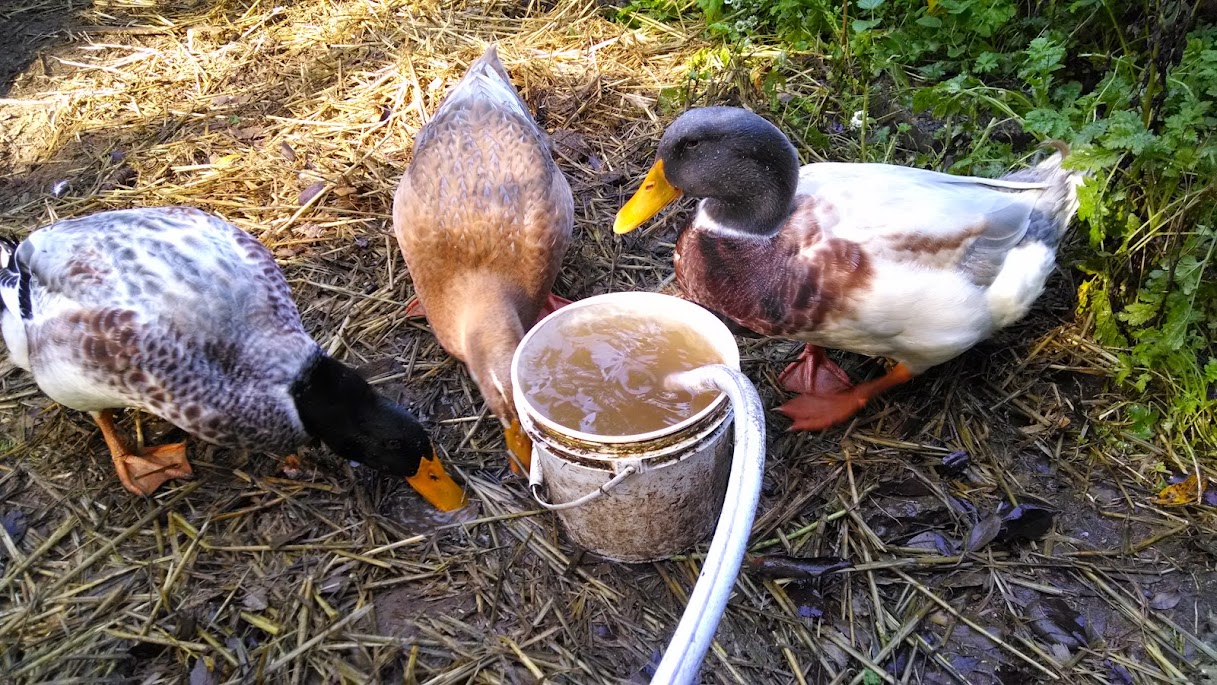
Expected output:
(294, 120)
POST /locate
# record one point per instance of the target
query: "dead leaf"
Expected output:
(932, 539)
(1165, 600)
(954, 464)
(782, 566)
(310, 230)
(255, 600)
(202, 674)
(1055, 621)
(288, 153)
(14, 524)
(1060, 653)
(1025, 522)
(293, 468)
(225, 161)
(571, 143)
(1119, 674)
(311, 192)
(247, 133)
(1179, 494)
(983, 533)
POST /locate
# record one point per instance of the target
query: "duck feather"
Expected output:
(885, 260)
(170, 310)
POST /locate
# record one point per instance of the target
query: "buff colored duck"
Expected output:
(185, 316)
(876, 259)
(484, 217)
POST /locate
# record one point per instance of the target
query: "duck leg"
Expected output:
(817, 411)
(416, 310)
(813, 373)
(142, 473)
(552, 304)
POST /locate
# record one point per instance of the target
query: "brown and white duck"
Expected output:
(484, 217)
(877, 259)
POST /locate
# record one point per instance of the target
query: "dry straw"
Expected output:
(294, 121)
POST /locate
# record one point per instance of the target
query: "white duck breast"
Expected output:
(169, 310)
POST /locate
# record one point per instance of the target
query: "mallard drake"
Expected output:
(484, 217)
(877, 259)
(185, 316)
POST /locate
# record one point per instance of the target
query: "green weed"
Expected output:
(971, 85)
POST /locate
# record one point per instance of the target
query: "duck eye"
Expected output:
(393, 444)
(689, 145)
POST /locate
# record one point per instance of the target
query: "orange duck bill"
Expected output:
(436, 486)
(519, 448)
(655, 194)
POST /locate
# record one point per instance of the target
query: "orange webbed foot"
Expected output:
(144, 473)
(813, 373)
(819, 411)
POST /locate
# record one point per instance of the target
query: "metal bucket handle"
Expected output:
(535, 480)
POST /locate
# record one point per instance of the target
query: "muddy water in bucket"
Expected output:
(635, 472)
(604, 374)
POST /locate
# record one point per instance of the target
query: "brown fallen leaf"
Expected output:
(782, 566)
(984, 532)
(310, 192)
(1180, 494)
(292, 467)
(1165, 600)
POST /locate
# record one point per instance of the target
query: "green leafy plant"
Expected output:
(970, 86)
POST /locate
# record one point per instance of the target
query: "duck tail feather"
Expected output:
(8, 248)
(490, 61)
(486, 81)
(1058, 201)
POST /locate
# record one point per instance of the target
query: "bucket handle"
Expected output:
(682, 659)
(535, 479)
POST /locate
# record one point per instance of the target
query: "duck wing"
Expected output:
(936, 220)
(483, 195)
(176, 264)
(169, 304)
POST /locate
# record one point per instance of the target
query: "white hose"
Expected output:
(682, 660)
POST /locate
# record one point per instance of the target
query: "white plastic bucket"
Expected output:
(649, 496)
(632, 498)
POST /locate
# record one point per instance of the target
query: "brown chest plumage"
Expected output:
(783, 284)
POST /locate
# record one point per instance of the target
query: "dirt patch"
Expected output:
(29, 27)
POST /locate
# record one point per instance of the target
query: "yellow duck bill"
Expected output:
(655, 194)
(436, 486)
